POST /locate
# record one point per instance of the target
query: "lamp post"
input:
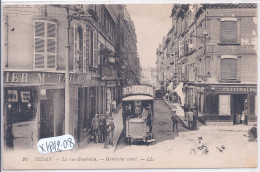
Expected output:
(67, 73)
(78, 15)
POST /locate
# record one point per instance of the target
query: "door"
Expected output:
(47, 116)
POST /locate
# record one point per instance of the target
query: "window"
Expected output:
(78, 49)
(228, 68)
(228, 31)
(45, 45)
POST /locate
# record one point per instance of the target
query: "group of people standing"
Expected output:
(103, 129)
(172, 97)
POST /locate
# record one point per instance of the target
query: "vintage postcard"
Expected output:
(129, 86)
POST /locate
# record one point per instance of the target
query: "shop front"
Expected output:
(34, 106)
(231, 102)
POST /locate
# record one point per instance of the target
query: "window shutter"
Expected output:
(228, 32)
(45, 44)
(51, 45)
(229, 69)
(84, 51)
(39, 44)
(87, 44)
(95, 49)
(76, 49)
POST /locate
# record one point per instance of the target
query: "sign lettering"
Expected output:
(236, 89)
(44, 77)
(138, 89)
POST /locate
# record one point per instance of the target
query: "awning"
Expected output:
(178, 90)
(137, 97)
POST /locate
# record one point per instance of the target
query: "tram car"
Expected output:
(138, 113)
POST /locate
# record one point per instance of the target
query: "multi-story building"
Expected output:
(35, 46)
(216, 57)
(148, 76)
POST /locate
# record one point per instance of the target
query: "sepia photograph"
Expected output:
(129, 86)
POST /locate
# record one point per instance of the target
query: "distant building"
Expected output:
(148, 76)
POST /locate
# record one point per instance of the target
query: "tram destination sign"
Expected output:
(138, 89)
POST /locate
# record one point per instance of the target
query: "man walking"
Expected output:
(95, 126)
(174, 121)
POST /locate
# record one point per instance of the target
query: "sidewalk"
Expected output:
(179, 112)
(97, 147)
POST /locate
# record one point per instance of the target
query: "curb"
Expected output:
(182, 123)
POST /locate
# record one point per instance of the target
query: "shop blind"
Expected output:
(229, 69)
(228, 33)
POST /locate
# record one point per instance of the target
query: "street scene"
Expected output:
(116, 86)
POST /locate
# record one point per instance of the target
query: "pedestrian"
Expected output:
(190, 119)
(175, 121)
(170, 98)
(149, 118)
(113, 107)
(194, 121)
(243, 117)
(102, 123)
(95, 127)
(111, 132)
(107, 130)
(186, 110)
(167, 95)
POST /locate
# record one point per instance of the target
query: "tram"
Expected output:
(138, 113)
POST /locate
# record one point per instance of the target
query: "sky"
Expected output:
(152, 22)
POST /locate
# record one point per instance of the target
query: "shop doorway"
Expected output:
(238, 104)
(52, 113)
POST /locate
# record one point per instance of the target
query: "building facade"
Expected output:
(215, 56)
(148, 76)
(35, 47)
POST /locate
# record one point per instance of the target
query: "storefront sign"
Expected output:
(236, 89)
(138, 89)
(44, 77)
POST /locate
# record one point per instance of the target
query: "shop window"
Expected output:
(228, 68)
(19, 104)
(45, 44)
(228, 31)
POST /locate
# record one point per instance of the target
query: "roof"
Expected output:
(137, 97)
